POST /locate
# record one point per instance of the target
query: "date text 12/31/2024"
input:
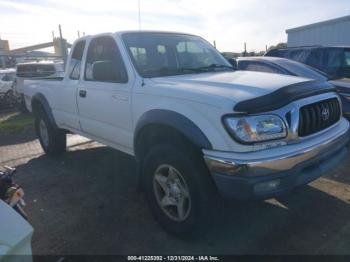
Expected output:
(173, 258)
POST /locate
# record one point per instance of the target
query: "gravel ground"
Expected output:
(87, 202)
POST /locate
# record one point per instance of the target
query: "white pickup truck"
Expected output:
(197, 128)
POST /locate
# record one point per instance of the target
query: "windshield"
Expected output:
(302, 70)
(347, 57)
(337, 62)
(165, 54)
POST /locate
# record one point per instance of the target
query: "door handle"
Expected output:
(82, 93)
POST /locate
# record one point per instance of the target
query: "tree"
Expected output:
(278, 46)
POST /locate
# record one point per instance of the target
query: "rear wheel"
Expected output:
(52, 140)
(178, 188)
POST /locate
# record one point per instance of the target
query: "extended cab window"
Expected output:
(104, 62)
(75, 63)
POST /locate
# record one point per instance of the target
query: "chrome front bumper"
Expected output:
(298, 166)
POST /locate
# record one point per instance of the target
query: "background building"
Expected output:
(335, 32)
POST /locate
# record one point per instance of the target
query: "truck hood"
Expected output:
(217, 88)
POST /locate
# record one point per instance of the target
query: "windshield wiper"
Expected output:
(217, 66)
(193, 69)
(208, 68)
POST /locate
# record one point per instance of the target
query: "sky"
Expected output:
(229, 22)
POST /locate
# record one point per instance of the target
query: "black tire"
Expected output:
(200, 185)
(54, 142)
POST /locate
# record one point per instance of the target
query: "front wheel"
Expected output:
(52, 140)
(178, 189)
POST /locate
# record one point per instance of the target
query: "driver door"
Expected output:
(104, 95)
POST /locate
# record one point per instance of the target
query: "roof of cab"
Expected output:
(87, 37)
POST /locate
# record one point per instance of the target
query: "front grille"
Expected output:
(318, 116)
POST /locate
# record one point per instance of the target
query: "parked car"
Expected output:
(343, 86)
(16, 235)
(334, 61)
(197, 128)
(289, 67)
(33, 71)
(7, 76)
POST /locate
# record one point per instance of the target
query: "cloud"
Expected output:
(229, 22)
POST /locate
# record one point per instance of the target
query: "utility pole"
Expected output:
(245, 49)
(78, 33)
(60, 30)
(63, 46)
(139, 7)
(215, 44)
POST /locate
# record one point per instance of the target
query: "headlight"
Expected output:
(256, 128)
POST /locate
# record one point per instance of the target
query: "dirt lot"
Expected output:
(87, 202)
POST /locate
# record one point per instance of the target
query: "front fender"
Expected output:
(177, 121)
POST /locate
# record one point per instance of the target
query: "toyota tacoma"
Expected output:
(197, 128)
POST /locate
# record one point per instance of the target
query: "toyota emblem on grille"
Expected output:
(325, 114)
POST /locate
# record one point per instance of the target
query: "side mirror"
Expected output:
(106, 71)
(233, 62)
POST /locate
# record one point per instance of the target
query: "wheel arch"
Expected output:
(40, 103)
(166, 124)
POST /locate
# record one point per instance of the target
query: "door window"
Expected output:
(104, 62)
(75, 63)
